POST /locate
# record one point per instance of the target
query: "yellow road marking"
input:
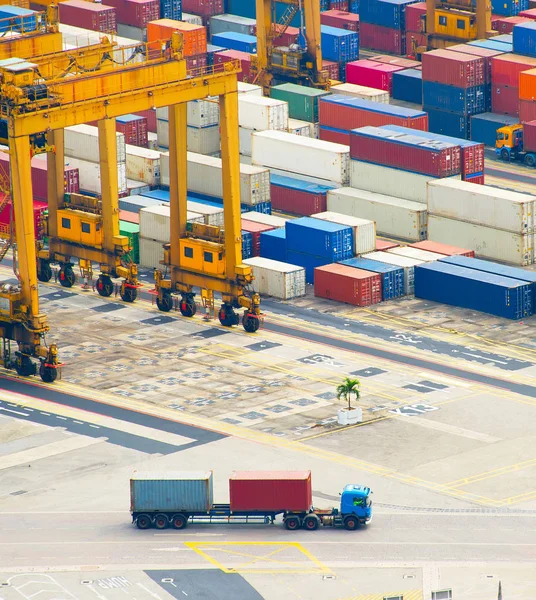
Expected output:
(406, 594)
(519, 498)
(493, 473)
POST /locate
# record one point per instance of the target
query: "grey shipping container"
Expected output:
(182, 491)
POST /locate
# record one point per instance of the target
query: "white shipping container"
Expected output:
(155, 225)
(75, 37)
(135, 33)
(395, 217)
(152, 140)
(389, 181)
(151, 253)
(82, 141)
(192, 19)
(136, 188)
(89, 175)
(205, 177)
(361, 91)
(482, 204)
(200, 113)
(297, 154)
(212, 215)
(408, 264)
(229, 22)
(297, 127)
(244, 139)
(272, 220)
(277, 279)
(143, 165)
(261, 114)
(249, 88)
(487, 242)
(364, 229)
(203, 140)
(416, 253)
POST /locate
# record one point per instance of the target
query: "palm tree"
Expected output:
(348, 387)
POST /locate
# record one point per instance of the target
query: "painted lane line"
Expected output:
(15, 412)
(94, 426)
(78, 422)
(62, 418)
(148, 590)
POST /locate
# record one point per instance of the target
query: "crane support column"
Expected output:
(109, 181)
(178, 179)
(56, 178)
(311, 15)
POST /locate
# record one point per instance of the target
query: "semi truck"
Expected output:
(516, 142)
(175, 500)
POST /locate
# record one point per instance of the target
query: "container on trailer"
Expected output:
(265, 491)
(484, 127)
(469, 101)
(143, 165)
(236, 23)
(319, 238)
(449, 123)
(272, 220)
(482, 204)
(82, 141)
(371, 74)
(406, 263)
(360, 91)
(255, 229)
(205, 8)
(416, 253)
(444, 249)
(277, 279)
(408, 86)
(476, 290)
(88, 15)
(488, 242)
(393, 216)
(236, 41)
(181, 491)
(348, 284)
(339, 45)
(151, 253)
(340, 19)
(364, 230)
(132, 231)
(274, 244)
(302, 101)
(282, 150)
(453, 68)
(392, 277)
(260, 113)
(298, 196)
(345, 112)
(385, 39)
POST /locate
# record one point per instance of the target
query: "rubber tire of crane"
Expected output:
(529, 160)
(179, 522)
(250, 322)
(129, 294)
(44, 271)
(144, 522)
(351, 523)
(165, 304)
(228, 317)
(105, 286)
(188, 309)
(505, 155)
(311, 523)
(292, 523)
(161, 522)
(68, 278)
(48, 374)
(27, 367)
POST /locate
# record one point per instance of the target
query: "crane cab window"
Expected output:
(460, 24)
(86, 228)
(66, 223)
(208, 257)
(220, 256)
(188, 252)
(443, 21)
(98, 227)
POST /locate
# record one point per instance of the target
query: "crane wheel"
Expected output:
(250, 322)
(311, 523)
(164, 303)
(105, 286)
(144, 522)
(44, 271)
(351, 523)
(227, 316)
(48, 374)
(67, 276)
(128, 294)
(25, 367)
(188, 309)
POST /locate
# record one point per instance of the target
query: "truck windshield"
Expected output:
(369, 502)
(500, 135)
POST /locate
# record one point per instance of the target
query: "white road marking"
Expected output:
(149, 591)
(16, 412)
(62, 418)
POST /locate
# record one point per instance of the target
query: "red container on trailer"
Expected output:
(527, 111)
(398, 61)
(205, 8)
(150, 115)
(505, 69)
(340, 19)
(348, 284)
(529, 136)
(505, 100)
(414, 14)
(385, 39)
(371, 74)
(129, 217)
(256, 229)
(267, 491)
(506, 24)
(453, 68)
(444, 249)
(382, 245)
(337, 136)
(297, 202)
(243, 57)
(332, 68)
(136, 13)
(485, 53)
(88, 15)
(528, 14)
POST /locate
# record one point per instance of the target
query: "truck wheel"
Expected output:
(505, 155)
(144, 522)
(351, 523)
(179, 522)
(529, 160)
(292, 523)
(311, 523)
(161, 521)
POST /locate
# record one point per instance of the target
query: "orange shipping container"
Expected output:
(195, 36)
(527, 85)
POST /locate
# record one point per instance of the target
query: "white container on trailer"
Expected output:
(155, 222)
(482, 204)
(277, 279)
(261, 114)
(361, 91)
(497, 244)
(151, 253)
(82, 141)
(364, 229)
(416, 253)
(90, 178)
(408, 264)
(258, 217)
(394, 217)
(297, 154)
(143, 165)
(249, 88)
(297, 127)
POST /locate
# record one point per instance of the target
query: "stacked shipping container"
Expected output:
(382, 25)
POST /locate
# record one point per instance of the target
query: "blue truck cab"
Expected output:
(356, 500)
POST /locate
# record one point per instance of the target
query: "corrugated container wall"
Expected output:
(205, 8)
(302, 101)
(82, 141)
(339, 45)
(392, 278)
(364, 231)
(453, 68)
(88, 15)
(298, 196)
(277, 279)
(371, 74)
(407, 86)
(274, 245)
(319, 238)
(406, 263)
(348, 284)
(360, 91)
(444, 249)
(385, 39)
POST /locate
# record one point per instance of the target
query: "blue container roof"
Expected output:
(506, 38)
(491, 278)
(296, 183)
(432, 136)
(278, 233)
(414, 73)
(403, 139)
(16, 11)
(128, 118)
(336, 32)
(494, 118)
(377, 107)
(491, 267)
(311, 223)
(234, 35)
(527, 25)
(140, 201)
(370, 265)
(157, 195)
(492, 45)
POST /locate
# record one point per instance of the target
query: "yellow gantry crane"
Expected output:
(299, 63)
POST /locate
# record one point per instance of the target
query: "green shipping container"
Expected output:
(302, 101)
(132, 231)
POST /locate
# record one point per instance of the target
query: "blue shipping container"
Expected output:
(236, 41)
(407, 86)
(467, 288)
(484, 127)
(502, 270)
(308, 262)
(492, 45)
(508, 8)
(274, 244)
(449, 123)
(320, 238)
(387, 13)
(467, 101)
(247, 8)
(392, 277)
(353, 6)
(211, 50)
(20, 19)
(525, 38)
(171, 9)
(339, 45)
(302, 185)
(247, 244)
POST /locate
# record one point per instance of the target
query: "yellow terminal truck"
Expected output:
(510, 144)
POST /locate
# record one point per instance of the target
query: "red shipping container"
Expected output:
(527, 111)
(505, 100)
(340, 19)
(195, 63)
(506, 24)
(444, 249)
(532, 4)
(382, 245)
(348, 284)
(473, 159)
(205, 8)
(341, 5)
(298, 202)
(337, 136)
(136, 13)
(528, 14)
(453, 68)
(135, 131)
(371, 74)
(403, 151)
(505, 69)
(243, 57)
(385, 39)
(332, 68)
(398, 61)
(414, 17)
(150, 115)
(39, 207)
(529, 136)
(290, 36)
(88, 15)
(476, 179)
(255, 229)
(129, 217)
(267, 491)
(484, 53)
(339, 116)
(416, 39)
